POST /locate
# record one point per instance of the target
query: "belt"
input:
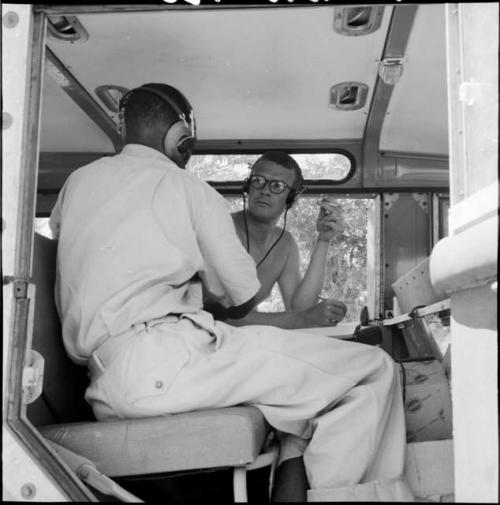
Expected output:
(106, 352)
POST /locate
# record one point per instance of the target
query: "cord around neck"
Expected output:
(248, 237)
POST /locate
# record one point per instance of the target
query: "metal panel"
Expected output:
(397, 38)
(419, 100)
(406, 228)
(252, 73)
(60, 75)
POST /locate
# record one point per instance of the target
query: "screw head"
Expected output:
(28, 491)
(7, 120)
(10, 19)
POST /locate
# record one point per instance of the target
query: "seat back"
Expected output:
(64, 382)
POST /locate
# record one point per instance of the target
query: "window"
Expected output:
(235, 167)
(346, 276)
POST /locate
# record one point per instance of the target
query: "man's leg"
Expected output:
(344, 397)
(290, 483)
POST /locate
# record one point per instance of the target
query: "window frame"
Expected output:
(312, 186)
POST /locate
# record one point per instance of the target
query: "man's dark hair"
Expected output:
(286, 161)
(143, 110)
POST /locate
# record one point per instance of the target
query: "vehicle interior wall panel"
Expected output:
(480, 93)
(64, 125)
(406, 237)
(419, 99)
(253, 73)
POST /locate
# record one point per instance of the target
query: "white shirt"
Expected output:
(135, 235)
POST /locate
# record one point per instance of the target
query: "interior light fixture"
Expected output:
(348, 96)
(110, 95)
(390, 70)
(357, 20)
(66, 29)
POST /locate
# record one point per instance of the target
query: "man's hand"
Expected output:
(329, 221)
(326, 313)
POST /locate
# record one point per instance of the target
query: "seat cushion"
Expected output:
(229, 436)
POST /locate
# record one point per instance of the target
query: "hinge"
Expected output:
(32, 380)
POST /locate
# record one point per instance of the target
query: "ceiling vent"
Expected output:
(348, 95)
(66, 29)
(358, 20)
(111, 95)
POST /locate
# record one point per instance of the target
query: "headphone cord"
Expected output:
(248, 239)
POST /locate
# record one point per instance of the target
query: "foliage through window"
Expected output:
(236, 167)
(346, 270)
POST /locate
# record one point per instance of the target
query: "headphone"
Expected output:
(292, 195)
(185, 142)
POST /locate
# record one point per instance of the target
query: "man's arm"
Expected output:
(328, 224)
(326, 313)
(229, 273)
(222, 313)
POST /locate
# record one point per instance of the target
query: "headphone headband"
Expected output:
(169, 100)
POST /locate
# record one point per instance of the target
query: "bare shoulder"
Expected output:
(289, 241)
(288, 245)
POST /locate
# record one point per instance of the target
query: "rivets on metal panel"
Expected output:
(7, 120)
(28, 491)
(10, 19)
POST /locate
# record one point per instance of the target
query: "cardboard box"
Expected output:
(429, 470)
(427, 399)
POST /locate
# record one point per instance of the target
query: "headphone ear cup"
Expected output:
(171, 142)
(290, 198)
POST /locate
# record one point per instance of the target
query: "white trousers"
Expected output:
(343, 399)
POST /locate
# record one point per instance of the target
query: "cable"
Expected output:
(277, 240)
(248, 238)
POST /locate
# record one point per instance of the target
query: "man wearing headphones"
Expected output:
(274, 183)
(137, 237)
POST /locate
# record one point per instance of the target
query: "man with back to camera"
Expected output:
(136, 238)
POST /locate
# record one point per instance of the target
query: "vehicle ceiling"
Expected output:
(262, 73)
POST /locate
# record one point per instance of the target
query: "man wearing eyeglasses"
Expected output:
(274, 184)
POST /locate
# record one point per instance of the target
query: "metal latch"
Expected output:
(32, 380)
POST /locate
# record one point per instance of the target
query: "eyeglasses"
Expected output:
(275, 185)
